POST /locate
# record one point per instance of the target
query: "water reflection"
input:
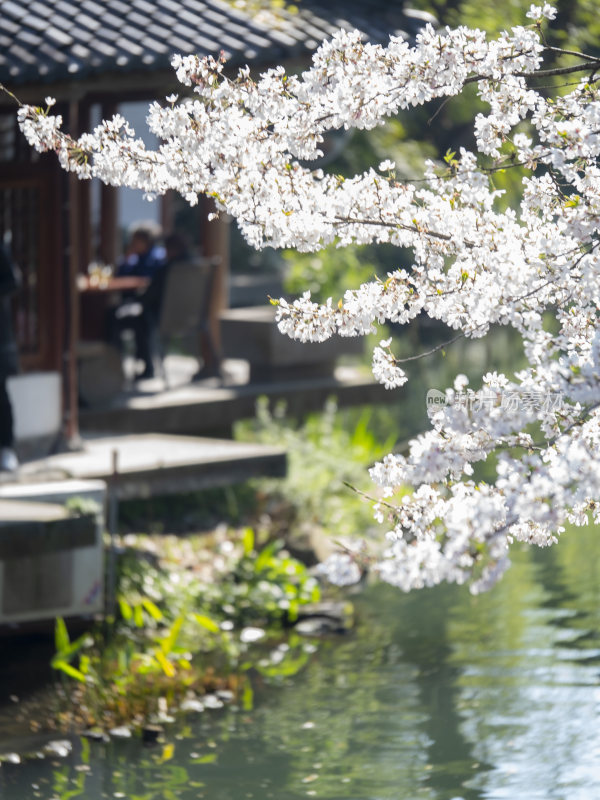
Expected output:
(436, 695)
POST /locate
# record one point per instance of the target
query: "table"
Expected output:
(87, 284)
(97, 296)
(100, 369)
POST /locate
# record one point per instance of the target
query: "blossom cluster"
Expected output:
(249, 145)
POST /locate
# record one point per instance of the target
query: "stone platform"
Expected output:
(139, 466)
(210, 407)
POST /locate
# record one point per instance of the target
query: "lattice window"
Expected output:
(20, 231)
(13, 146)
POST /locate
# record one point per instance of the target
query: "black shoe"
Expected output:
(207, 372)
(146, 374)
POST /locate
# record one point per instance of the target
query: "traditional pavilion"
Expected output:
(92, 55)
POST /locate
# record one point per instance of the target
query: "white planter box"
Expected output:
(37, 404)
(50, 567)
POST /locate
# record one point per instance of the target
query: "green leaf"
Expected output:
(248, 541)
(69, 670)
(248, 698)
(152, 609)
(167, 753)
(210, 758)
(125, 608)
(293, 610)
(266, 555)
(84, 664)
(449, 157)
(166, 665)
(207, 622)
(67, 653)
(138, 616)
(61, 635)
(168, 642)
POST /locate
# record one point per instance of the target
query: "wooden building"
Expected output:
(92, 55)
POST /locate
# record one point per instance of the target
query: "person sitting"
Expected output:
(143, 258)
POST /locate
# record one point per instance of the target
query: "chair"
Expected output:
(185, 306)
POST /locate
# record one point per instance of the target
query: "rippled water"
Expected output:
(436, 695)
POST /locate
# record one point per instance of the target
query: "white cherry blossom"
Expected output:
(536, 267)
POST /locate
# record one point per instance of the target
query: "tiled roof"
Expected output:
(43, 41)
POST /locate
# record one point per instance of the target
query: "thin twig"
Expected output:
(10, 94)
(571, 53)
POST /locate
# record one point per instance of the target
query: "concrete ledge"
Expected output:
(150, 464)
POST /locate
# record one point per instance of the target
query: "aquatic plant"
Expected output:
(176, 638)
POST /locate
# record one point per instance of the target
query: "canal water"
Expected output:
(435, 695)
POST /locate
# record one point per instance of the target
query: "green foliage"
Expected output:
(66, 650)
(324, 456)
(330, 272)
(82, 506)
(269, 583)
(191, 511)
(175, 633)
(270, 9)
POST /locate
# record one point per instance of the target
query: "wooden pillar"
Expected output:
(215, 242)
(84, 202)
(71, 394)
(167, 212)
(110, 244)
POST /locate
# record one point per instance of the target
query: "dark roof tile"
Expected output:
(89, 22)
(56, 40)
(15, 10)
(66, 9)
(93, 8)
(53, 57)
(81, 52)
(145, 7)
(39, 9)
(118, 7)
(9, 26)
(112, 23)
(104, 49)
(128, 46)
(23, 54)
(180, 45)
(155, 46)
(58, 37)
(135, 18)
(30, 38)
(38, 23)
(169, 5)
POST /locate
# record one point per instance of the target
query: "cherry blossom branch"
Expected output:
(534, 267)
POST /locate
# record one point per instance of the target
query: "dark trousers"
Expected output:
(144, 330)
(6, 417)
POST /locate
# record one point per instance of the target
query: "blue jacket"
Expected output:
(145, 265)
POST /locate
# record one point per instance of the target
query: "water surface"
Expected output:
(436, 695)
